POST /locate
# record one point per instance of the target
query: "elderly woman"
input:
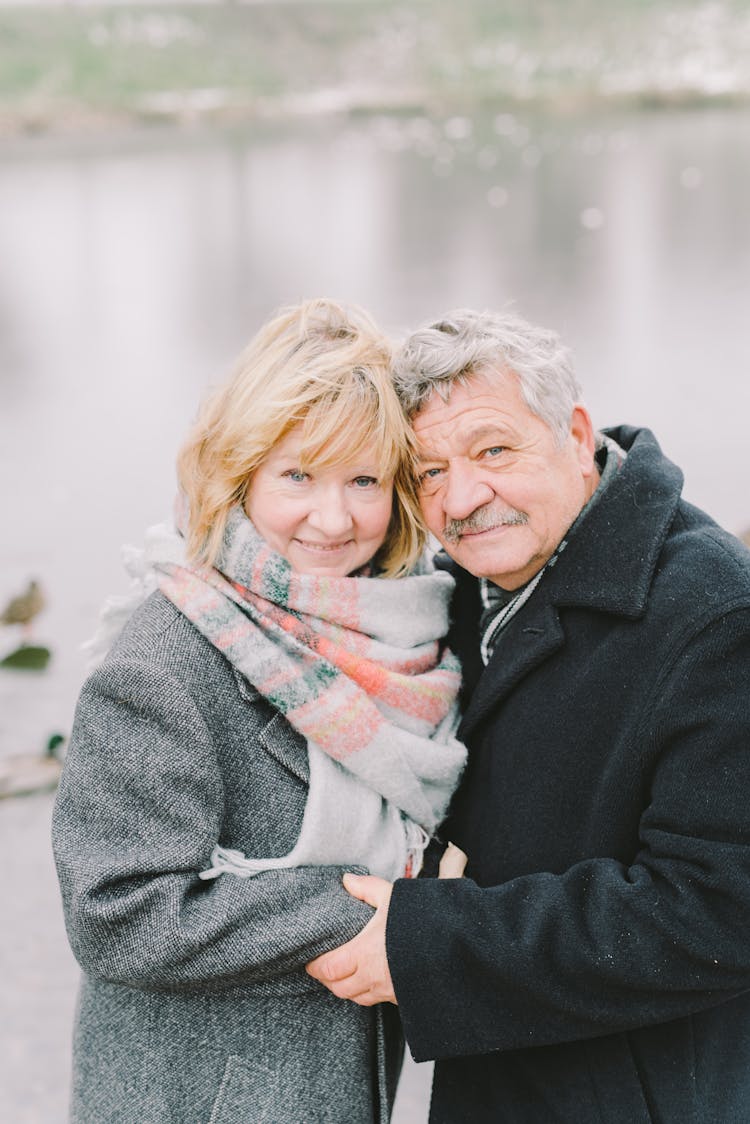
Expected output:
(277, 711)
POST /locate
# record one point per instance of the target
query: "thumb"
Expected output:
(368, 888)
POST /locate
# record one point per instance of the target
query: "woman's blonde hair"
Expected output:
(320, 365)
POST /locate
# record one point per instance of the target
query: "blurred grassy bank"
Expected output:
(67, 67)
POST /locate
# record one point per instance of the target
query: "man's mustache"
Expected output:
(483, 519)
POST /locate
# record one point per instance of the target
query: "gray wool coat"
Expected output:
(194, 1006)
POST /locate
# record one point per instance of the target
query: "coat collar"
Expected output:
(608, 565)
(610, 560)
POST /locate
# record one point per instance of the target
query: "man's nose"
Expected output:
(465, 491)
(331, 513)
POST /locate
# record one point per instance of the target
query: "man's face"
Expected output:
(495, 487)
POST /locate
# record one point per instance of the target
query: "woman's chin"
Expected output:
(324, 569)
(330, 562)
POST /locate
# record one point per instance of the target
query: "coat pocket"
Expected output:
(248, 1094)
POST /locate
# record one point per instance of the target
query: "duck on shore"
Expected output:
(25, 607)
(24, 773)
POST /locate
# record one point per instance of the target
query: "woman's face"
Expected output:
(327, 521)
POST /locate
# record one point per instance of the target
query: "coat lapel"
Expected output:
(288, 747)
(277, 736)
(531, 638)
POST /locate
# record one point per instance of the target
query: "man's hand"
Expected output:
(359, 970)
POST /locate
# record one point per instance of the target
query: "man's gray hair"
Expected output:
(466, 343)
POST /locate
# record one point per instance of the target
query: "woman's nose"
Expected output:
(330, 513)
(465, 491)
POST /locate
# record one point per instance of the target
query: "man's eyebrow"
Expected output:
(425, 455)
(478, 433)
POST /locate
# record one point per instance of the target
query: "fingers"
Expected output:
(358, 971)
(333, 966)
(355, 989)
(338, 971)
(368, 888)
(453, 862)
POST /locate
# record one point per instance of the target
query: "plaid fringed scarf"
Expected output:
(355, 665)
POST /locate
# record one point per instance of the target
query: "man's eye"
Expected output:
(430, 479)
(493, 451)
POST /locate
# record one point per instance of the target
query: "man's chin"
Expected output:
(508, 573)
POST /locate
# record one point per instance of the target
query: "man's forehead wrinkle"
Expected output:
(462, 426)
(477, 433)
(488, 429)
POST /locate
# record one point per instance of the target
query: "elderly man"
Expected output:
(594, 965)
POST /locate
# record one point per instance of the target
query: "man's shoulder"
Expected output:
(690, 552)
(704, 559)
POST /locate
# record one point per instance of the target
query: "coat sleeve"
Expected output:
(604, 947)
(138, 812)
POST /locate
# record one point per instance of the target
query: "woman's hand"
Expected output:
(453, 863)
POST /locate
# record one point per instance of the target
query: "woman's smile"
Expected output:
(324, 547)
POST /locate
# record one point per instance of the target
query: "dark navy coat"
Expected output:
(594, 966)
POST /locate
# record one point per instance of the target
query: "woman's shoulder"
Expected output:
(146, 630)
(162, 671)
(159, 636)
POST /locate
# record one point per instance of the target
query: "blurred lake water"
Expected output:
(132, 273)
(133, 270)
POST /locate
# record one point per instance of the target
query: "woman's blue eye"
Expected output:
(364, 481)
(296, 476)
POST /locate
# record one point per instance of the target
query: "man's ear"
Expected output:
(584, 440)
